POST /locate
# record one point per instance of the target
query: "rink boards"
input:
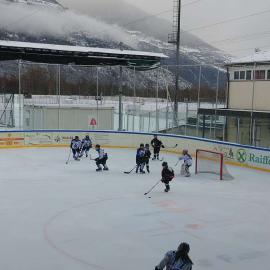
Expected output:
(234, 154)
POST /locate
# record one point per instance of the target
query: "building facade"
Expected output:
(247, 114)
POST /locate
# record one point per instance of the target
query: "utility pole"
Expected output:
(120, 119)
(175, 38)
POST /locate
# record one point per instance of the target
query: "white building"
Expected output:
(247, 114)
(249, 83)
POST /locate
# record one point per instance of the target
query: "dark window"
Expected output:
(236, 75)
(242, 75)
(260, 75)
(248, 75)
(268, 74)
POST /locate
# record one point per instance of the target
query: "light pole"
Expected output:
(178, 37)
(120, 119)
(174, 38)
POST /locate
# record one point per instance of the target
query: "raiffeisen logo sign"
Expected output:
(242, 156)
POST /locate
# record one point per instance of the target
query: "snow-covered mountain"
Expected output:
(47, 3)
(48, 21)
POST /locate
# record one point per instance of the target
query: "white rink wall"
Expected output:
(234, 154)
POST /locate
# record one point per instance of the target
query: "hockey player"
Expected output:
(147, 156)
(186, 157)
(167, 175)
(156, 144)
(86, 146)
(101, 159)
(75, 146)
(176, 259)
(140, 161)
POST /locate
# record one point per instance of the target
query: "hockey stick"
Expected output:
(171, 147)
(176, 163)
(131, 170)
(68, 157)
(152, 188)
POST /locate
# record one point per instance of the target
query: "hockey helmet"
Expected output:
(97, 145)
(141, 145)
(147, 145)
(164, 164)
(184, 248)
(185, 151)
(76, 137)
(87, 137)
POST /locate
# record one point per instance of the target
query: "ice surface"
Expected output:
(66, 217)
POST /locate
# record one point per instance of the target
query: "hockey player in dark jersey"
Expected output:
(156, 144)
(86, 146)
(101, 159)
(75, 146)
(147, 156)
(140, 161)
(167, 175)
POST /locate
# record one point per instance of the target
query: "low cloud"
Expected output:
(39, 20)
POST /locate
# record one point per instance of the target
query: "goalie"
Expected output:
(186, 157)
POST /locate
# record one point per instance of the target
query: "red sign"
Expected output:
(93, 122)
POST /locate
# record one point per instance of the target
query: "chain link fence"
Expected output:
(72, 97)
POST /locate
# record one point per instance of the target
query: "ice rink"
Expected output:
(70, 217)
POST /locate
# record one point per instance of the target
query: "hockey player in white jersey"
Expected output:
(75, 146)
(101, 159)
(86, 146)
(186, 157)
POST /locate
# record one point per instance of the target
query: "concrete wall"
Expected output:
(235, 154)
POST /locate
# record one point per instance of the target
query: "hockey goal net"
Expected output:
(211, 162)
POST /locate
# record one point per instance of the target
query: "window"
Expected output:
(268, 74)
(248, 75)
(236, 75)
(259, 74)
(242, 75)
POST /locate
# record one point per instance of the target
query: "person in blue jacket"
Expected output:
(176, 259)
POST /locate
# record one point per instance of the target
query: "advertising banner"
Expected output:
(234, 154)
(11, 139)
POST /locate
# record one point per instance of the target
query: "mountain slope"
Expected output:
(47, 21)
(128, 16)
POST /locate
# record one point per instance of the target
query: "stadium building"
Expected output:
(247, 114)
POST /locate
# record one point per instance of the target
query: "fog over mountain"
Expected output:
(55, 21)
(94, 24)
(130, 17)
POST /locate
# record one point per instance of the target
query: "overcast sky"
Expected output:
(245, 34)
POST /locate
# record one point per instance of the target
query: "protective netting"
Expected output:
(212, 162)
(7, 110)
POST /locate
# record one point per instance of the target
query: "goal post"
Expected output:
(211, 162)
